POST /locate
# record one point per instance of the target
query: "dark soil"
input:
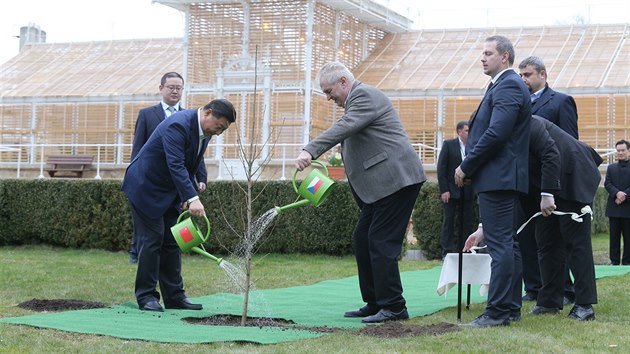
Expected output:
(231, 320)
(387, 330)
(60, 305)
(397, 329)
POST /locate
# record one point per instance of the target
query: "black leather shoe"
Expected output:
(541, 310)
(364, 311)
(529, 296)
(183, 304)
(582, 313)
(151, 306)
(515, 317)
(484, 321)
(385, 315)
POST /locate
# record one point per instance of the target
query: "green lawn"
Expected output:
(49, 273)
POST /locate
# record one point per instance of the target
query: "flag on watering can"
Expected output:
(185, 234)
(314, 185)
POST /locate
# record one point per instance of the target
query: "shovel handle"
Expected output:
(295, 188)
(185, 213)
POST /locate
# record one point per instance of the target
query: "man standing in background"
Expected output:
(171, 88)
(452, 153)
(561, 110)
(617, 185)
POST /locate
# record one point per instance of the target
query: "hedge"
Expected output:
(95, 214)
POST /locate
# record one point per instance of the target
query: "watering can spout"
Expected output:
(314, 189)
(300, 203)
(206, 254)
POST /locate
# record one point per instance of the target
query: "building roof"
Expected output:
(98, 68)
(592, 58)
(578, 56)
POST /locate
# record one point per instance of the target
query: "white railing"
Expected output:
(112, 155)
(19, 156)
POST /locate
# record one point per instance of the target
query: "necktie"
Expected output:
(171, 109)
(202, 140)
(490, 86)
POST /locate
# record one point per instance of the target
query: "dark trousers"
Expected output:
(530, 204)
(619, 227)
(448, 224)
(159, 258)
(556, 235)
(528, 245)
(497, 210)
(378, 238)
(134, 250)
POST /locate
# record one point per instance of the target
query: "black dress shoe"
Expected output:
(529, 296)
(364, 311)
(484, 321)
(515, 317)
(385, 315)
(582, 313)
(541, 310)
(183, 304)
(151, 306)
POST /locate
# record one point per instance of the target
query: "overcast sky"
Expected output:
(90, 20)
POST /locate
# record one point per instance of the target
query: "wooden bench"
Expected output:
(69, 165)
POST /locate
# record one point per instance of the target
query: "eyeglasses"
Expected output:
(175, 88)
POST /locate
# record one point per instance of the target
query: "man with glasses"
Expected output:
(171, 88)
(385, 174)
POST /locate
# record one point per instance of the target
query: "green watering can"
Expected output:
(188, 236)
(314, 188)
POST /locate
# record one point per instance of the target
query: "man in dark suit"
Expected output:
(556, 107)
(496, 163)
(579, 178)
(159, 183)
(385, 175)
(617, 185)
(563, 177)
(453, 197)
(171, 88)
(561, 110)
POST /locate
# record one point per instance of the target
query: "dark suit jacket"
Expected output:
(617, 179)
(498, 139)
(577, 166)
(450, 157)
(558, 108)
(162, 175)
(148, 119)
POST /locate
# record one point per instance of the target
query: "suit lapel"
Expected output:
(541, 101)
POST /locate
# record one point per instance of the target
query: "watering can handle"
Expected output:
(186, 212)
(296, 171)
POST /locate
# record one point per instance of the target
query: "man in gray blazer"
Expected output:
(385, 175)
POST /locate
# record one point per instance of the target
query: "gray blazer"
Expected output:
(377, 153)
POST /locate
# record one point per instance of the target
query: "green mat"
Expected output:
(321, 305)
